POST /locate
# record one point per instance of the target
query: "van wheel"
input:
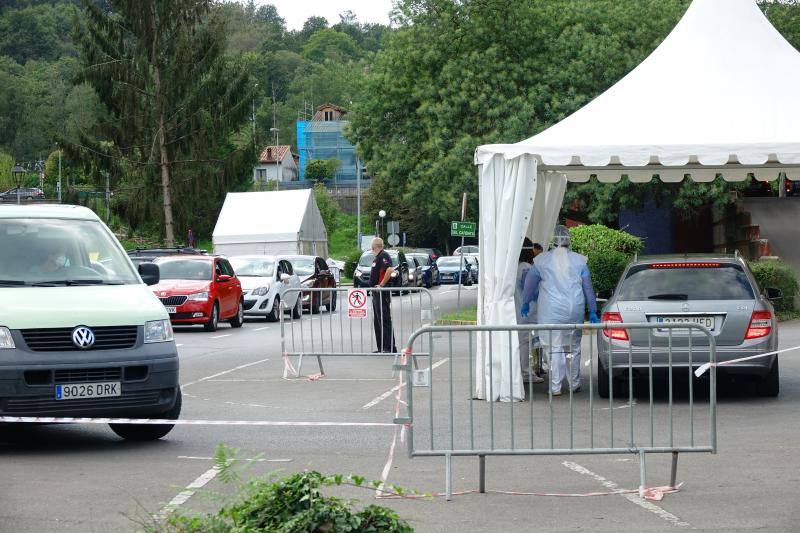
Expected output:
(238, 319)
(770, 385)
(297, 310)
(144, 432)
(213, 322)
(275, 314)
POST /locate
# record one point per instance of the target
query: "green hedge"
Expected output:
(351, 262)
(608, 251)
(777, 275)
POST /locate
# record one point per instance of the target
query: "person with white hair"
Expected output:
(560, 282)
(380, 275)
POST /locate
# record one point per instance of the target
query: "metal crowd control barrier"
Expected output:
(328, 333)
(445, 419)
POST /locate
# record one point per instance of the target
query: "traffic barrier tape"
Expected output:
(702, 369)
(184, 422)
(289, 368)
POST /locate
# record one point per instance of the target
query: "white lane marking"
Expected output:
(623, 406)
(261, 329)
(184, 495)
(297, 379)
(378, 399)
(221, 336)
(218, 374)
(178, 345)
(633, 498)
(262, 460)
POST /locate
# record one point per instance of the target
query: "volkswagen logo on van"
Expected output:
(83, 337)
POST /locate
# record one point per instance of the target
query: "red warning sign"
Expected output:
(357, 303)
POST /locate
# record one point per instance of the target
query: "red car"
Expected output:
(200, 289)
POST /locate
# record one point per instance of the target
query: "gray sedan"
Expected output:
(719, 293)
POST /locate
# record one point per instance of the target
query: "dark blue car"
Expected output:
(452, 271)
(430, 272)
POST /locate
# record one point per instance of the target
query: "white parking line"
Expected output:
(221, 336)
(261, 329)
(633, 498)
(184, 495)
(178, 345)
(379, 399)
(261, 460)
(218, 374)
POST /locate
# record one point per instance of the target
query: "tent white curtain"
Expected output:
(507, 192)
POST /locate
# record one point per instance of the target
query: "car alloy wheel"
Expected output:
(238, 319)
(213, 322)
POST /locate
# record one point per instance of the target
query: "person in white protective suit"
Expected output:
(560, 283)
(526, 257)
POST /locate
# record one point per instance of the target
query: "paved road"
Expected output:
(85, 479)
(777, 218)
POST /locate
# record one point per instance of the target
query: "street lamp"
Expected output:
(17, 174)
(381, 214)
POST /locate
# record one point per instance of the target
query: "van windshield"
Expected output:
(46, 252)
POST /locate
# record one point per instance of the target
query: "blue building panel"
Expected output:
(653, 224)
(325, 140)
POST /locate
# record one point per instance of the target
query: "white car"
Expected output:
(469, 250)
(266, 280)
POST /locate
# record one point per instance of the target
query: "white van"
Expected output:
(81, 334)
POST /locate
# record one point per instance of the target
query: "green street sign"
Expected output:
(462, 229)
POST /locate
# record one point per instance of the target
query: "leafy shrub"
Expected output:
(606, 269)
(352, 262)
(595, 238)
(777, 275)
(291, 504)
(608, 251)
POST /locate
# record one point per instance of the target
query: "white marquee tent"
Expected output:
(276, 222)
(718, 97)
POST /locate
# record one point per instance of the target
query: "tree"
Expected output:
(162, 115)
(331, 45)
(320, 170)
(456, 75)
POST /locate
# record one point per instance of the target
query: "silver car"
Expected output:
(718, 292)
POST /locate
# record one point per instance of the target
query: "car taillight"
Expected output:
(616, 334)
(760, 325)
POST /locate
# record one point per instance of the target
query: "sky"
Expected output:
(297, 11)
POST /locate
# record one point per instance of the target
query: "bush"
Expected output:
(777, 275)
(351, 262)
(608, 251)
(291, 504)
(595, 238)
(606, 269)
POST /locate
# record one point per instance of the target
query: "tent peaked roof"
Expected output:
(271, 215)
(720, 91)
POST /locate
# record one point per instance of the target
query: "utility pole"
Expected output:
(461, 250)
(358, 201)
(275, 129)
(108, 198)
(59, 173)
(253, 119)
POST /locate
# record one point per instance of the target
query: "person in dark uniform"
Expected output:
(379, 276)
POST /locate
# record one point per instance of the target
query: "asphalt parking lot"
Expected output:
(84, 478)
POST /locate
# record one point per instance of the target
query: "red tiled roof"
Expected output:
(268, 154)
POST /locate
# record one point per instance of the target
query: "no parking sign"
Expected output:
(357, 303)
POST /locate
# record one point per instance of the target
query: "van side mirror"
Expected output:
(150, 273)
(773, 294)
(605, 294)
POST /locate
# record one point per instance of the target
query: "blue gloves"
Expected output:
(525, 309)
(593, 318)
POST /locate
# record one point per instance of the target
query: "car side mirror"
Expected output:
(222, 278)
(773, 294)
(285, 277)
(150, 273)
(605, 294)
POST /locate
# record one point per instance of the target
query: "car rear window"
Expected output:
(679, 281)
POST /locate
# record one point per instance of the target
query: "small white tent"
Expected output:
(277, 222)
(717, 97)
